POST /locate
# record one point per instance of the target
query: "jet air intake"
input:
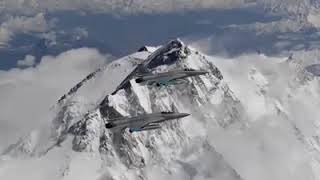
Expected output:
(110, 125)
(139, 80)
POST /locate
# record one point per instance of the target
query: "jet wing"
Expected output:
(171, 78)
(151, 127)
(180, 80)
(148, 127)
(126, 122)
(157, 80)
(177, 79)
(143, 122)
(136, 127)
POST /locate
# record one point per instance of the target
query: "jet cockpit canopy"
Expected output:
(166, 112)
(188, 69)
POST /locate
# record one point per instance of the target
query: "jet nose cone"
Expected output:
(182, 115)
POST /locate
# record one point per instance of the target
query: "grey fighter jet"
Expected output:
(167, 78)
(142, 122)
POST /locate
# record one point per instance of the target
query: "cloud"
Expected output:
(29, 60)
(22, 24)
(80, 33)
(27, 94)
(281, 103)
(288, 7)
(314, 18)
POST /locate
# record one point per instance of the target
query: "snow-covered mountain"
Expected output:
(245, 124)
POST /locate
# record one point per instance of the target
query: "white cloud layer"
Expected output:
(282, 105)
(26, 95)
(314, 18)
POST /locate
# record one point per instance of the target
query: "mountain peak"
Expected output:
(168, 54)
(81, 124)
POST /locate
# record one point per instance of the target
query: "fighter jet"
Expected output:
(167, 78)
(142, 122)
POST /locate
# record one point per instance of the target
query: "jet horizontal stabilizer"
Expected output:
(117, 119)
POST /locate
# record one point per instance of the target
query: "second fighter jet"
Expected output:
(142, 122)
(168, 78)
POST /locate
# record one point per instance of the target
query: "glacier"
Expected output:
(251, 119)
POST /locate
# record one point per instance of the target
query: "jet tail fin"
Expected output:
(174, 108)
